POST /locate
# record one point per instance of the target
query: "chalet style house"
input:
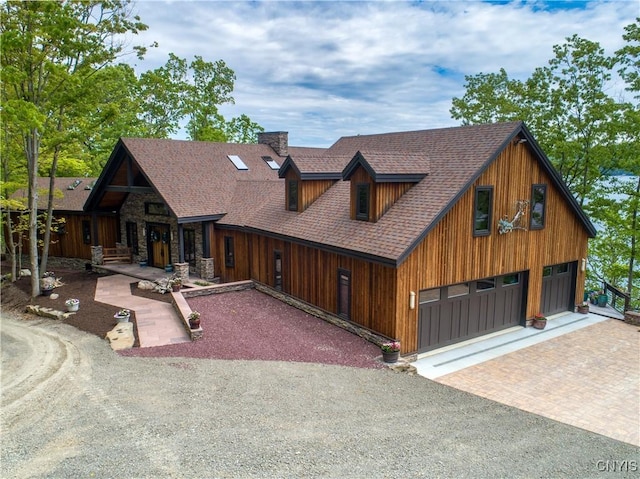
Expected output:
(429, 237)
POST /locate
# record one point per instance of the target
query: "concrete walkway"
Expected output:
(157, 322)
(582, 370)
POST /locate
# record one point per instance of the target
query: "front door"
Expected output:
(158, 239)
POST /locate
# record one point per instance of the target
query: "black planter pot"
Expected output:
(46, 292)
(390, 357)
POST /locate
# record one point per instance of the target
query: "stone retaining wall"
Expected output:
(352, 327)
(632, 317)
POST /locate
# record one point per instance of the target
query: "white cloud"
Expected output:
(321, 70)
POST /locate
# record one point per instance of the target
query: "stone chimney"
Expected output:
(278, 140)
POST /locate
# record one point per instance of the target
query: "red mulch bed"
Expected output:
(249, 325)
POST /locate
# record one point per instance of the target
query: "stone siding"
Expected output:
(133, 211)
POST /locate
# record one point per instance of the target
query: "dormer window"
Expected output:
(292, 197)
(363, 193)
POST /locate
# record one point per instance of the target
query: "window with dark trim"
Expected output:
(429, 295)
(344, 293)
(362, 201)
(562, 268)
(510, 279)
(86, 231)
(482, 208)
(538, 206)
(132, 236)
(293, 196)
(159, 209)
(189, 246)
(229, 260)
(486, 284)
(277, 270)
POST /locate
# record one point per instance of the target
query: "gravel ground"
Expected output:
(73, 408)
(253, 325)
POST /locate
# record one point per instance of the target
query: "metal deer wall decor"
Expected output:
(517, 223)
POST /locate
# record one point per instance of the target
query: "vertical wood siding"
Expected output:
(312, 276)
(308, 190)
(382, 195)
(71, 244)
(451, 254)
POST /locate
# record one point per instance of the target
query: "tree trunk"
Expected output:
(32, 148)
(634, 223)
(11, 246)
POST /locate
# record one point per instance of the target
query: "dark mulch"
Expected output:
(145, 293)
(93, 317)
(250, 325)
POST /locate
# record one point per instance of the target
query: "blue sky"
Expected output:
(321, 70)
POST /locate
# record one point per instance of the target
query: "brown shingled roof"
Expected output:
(64, 199)
(456, 156)
(196, 178)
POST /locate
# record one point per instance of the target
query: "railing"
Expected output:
(619, 300)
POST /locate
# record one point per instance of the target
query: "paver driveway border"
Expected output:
(588, 378)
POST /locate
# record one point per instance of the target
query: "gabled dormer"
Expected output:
(307, 177)
(378, 180)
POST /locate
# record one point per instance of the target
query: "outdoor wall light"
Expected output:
(583, 266)
(412, 300)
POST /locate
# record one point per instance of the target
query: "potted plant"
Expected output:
(583, 308)
(72, 304)
(390, 351)
(176, 283)
(47, 283)
(539, 321)
(122, 316)
(602, 299)
(194, 320)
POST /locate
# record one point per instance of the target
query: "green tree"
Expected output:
(584, 131)
(50, 53)
(180, 91)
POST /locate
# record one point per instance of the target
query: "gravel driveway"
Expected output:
(73, 408)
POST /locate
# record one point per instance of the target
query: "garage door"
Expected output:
(558, 288)
(467, 310)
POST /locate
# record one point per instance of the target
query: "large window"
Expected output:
(362, 201)
(189, 246)
(293, 195)
(152, 208)
(132, 236)
(482, 211)
(86, 231)
(229, 259)
(538, 206)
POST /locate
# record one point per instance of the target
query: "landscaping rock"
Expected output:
(121, 337)
(146, 285)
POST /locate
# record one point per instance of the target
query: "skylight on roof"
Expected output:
(237, 162)
(271, 162)
(74, 185)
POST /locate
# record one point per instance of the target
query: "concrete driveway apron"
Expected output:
(582, 370)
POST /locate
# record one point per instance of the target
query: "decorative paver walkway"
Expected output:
(588, 378)
(157, 322)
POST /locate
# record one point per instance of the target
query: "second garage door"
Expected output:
(463, 311)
